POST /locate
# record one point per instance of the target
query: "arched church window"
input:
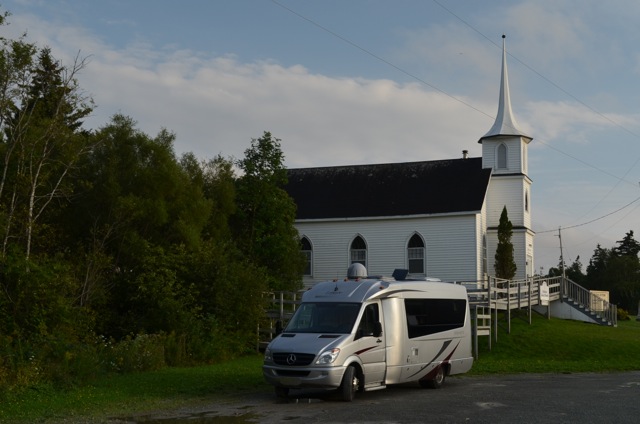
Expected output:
(359, 251)
(307, 251)
(502, 156)
(416, 255)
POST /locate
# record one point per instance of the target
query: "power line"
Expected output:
(381, 59)
(595, 219)
(542, 76)
(407, 73)
(619, 179)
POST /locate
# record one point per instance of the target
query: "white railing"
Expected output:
(587, 300)
(486, 298)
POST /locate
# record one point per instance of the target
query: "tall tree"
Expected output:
(617, 270)
(43, 141)
(574, 272)
(597, 270)
(505, 265)
(264, 222)
(628, 246)
(138, 203)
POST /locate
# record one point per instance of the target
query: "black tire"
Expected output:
(436, 382)
(350, 384)
(282, 392)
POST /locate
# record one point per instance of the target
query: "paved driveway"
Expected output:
(527, 398)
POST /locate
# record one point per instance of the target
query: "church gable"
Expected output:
(397, 189)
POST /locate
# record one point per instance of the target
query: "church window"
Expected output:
(359, 251)
(502, 156)
(307, 251)
(415, 255)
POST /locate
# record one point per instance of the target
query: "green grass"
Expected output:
(546, 346)
(124, 395)
(560, 346)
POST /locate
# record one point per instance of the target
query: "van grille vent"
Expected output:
(293, 359)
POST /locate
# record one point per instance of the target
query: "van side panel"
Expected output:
(395, 335)
(418, 357)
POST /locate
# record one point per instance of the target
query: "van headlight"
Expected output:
(267, 355)
(327, 357)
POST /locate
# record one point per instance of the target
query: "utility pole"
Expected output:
(561, 265)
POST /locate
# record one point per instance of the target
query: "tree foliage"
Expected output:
(617, 270)
(112, 247)
(573, 272)
(264, 219)
(505, 265)
(41, 116)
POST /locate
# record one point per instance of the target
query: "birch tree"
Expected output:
(41, 117)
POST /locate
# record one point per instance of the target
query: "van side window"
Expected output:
(430, 316)
(369, 318)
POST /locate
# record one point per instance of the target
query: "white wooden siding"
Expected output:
(516, 152)
(505, 191)
(453, 252)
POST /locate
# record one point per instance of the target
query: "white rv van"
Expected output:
(362, 334)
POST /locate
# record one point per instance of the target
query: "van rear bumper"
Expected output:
(307, 377)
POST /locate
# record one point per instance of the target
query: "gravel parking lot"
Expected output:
(526, 398)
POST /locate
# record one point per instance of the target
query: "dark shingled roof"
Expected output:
(392, 189)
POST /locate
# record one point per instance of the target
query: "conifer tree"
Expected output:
(505, 266)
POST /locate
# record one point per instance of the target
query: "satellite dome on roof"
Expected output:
(356, 270)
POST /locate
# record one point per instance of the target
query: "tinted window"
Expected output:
(324, 317)
(429, 316)
(369, 319)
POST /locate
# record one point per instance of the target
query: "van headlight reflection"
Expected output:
(327, 357)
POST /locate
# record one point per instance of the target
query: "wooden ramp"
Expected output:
(493, 303)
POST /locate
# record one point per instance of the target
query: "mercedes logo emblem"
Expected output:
(291, 359)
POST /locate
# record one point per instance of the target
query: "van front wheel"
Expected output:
(437, 382)
(350, 384)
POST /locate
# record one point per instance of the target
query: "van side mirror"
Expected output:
(377, 329)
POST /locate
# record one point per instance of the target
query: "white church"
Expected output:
(433, 218)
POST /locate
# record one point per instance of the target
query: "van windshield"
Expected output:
(324, 317)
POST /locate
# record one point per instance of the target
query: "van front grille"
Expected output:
(293, 359)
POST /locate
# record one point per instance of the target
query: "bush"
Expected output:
(144, 352)
(623, 315)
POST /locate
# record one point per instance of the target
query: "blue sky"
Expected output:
(372, 81)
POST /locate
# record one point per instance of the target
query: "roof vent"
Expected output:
(465, 154)
(400, 274)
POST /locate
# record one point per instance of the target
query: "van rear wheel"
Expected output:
(436, 382)
(350, 384)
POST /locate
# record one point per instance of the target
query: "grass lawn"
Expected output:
(560, 346)
(546, 346)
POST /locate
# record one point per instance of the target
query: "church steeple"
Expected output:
(504, 151)
(505, 123)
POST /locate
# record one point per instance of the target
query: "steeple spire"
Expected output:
(505, 123)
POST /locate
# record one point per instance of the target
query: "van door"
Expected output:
(371, 346)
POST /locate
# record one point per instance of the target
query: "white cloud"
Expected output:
(216, 104)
